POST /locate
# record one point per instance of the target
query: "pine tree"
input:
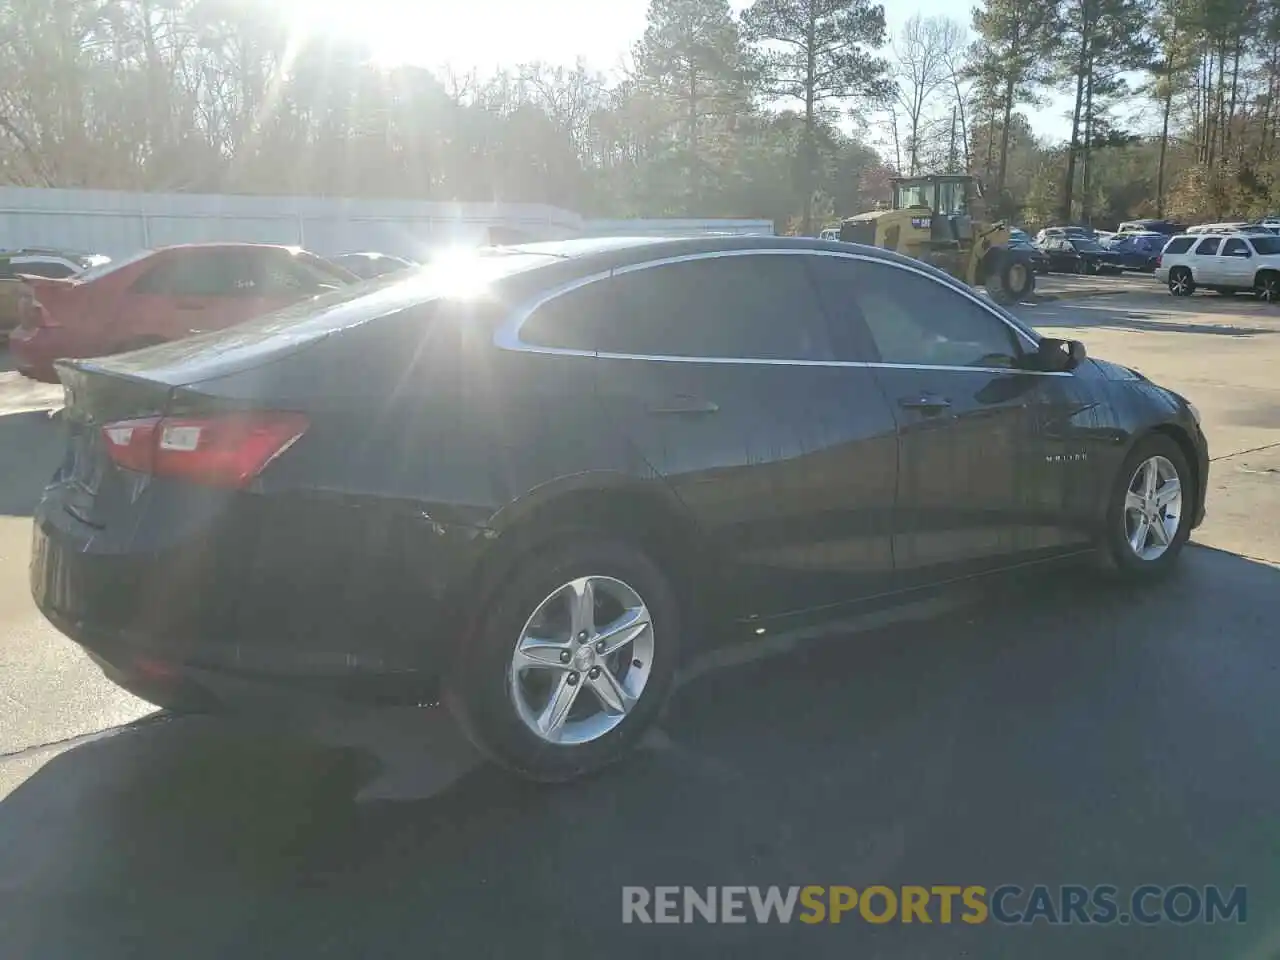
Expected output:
(1101, 40)
(1017, 38)
(817, 51)
(692, 57)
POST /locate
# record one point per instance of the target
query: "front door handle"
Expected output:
(925, 403)
(683, 406)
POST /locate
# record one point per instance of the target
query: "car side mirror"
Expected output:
(1057, 356)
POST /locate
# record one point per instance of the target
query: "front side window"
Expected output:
(915, 195)
(1235, 247)
(752, 307)
(912, 319)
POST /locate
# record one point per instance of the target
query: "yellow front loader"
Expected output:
(941, 220)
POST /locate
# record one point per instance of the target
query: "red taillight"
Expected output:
(221, 451)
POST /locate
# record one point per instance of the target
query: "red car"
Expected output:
(161, 295)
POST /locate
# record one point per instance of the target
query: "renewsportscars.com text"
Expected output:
(1066, 904)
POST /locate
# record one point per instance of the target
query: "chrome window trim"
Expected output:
(507, 336)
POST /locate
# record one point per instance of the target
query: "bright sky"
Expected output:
(485, 34)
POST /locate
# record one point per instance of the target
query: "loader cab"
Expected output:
(952, 202)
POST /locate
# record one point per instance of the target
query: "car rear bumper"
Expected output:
(248, 609)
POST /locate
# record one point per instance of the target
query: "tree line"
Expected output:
(796, 111)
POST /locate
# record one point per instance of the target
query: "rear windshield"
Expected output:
(1266, 246)
(1179, 245)
(111, 266)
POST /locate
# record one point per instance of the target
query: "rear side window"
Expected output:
(45, 268)
(571, 320)
(201, 273)
(752, 307)
(1209, 246)
(1178, 245)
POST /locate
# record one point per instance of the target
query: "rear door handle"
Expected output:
(925, 403)
(683, 406)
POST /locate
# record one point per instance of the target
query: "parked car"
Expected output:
(1166, 227)
(528, 481)
(1018, 240)
(366, 266)
(1224, 264)
(161, 295)
(35, 262)
(1062, 233)
(1137, 251)
(1079, 255)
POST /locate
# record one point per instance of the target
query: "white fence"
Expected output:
(118, 223)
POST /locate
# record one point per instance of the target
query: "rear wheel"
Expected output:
(1180, 282)
(573, 661)
(1149, 513)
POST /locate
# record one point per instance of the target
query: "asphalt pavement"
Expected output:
(1050, 730)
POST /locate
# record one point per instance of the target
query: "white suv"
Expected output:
(1225, 264)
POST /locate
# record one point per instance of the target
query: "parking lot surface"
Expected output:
(1048, 730)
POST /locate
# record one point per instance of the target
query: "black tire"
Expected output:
(1180, 282)
(1116, 555)
(1267, 288)
(1010, 279)
(478, 690)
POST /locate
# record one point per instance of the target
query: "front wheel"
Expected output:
(572, 662)
(1012, 281)
(1149, 513)
(1268, 288)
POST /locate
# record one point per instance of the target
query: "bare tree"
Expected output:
(923, 52)
(955, 59)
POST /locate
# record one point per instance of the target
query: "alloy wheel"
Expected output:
(1179, 284)
(595, 635)
(1269, 289)
(1152, 508)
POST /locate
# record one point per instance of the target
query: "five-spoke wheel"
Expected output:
(573, 659)
(582, 660)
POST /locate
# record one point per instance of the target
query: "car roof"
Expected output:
(605, 252)
(229, 245)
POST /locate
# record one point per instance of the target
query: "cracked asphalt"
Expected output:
(1047, 730)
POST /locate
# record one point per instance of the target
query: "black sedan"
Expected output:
(1079, 255)
(1039, 262)
(527, 481)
